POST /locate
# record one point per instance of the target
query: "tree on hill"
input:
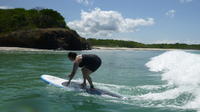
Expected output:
(21, 19)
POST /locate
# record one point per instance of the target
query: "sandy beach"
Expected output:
(124, 48)
(93, 48)
(20, 49)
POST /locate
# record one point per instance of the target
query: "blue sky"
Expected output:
(147, 21)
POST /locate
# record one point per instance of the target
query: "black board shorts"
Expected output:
(93, 67)
(91, 62)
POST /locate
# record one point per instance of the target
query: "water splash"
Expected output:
(181, 69)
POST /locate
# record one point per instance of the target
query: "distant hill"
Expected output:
(133, 44)
(38, 28)
(115, 43)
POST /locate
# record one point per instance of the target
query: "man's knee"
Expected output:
(85, 71)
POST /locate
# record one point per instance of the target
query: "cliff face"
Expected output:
(50, 38)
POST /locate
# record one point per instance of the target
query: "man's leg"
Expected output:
(84, 78)
(86, 75)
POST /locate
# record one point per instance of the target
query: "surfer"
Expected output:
(89, 63)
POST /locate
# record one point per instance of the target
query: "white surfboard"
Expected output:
(59, 82)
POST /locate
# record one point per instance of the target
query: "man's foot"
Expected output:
(92, 87)
(83, 85)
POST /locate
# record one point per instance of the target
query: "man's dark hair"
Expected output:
(72, 55)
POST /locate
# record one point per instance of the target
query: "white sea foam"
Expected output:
(181, 69)
(170, 94)
(178, 67)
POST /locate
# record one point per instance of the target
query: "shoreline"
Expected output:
(21, 49)
(125, 48)
(93, 48)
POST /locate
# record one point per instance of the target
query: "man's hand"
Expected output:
(68, 83)
(70, 76)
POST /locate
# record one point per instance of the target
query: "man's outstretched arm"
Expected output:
(75, 67)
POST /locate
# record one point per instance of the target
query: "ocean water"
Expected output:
(149, 81)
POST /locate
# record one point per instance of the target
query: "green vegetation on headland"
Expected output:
(21, 19)
(133, 44)
(43, 29)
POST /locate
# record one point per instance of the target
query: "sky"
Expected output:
(146, 21)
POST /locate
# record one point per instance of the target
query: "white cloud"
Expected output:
(85, 2)
(185, 1)
(101, 23)
(171, 13)
(5, 7)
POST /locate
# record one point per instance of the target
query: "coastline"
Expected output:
(93, 48)
(125, 48)
(21, 49)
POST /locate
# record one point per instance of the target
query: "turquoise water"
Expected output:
(169, 82)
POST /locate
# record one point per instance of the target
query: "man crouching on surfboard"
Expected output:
(89, 64)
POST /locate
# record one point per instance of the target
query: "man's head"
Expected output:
(72, 56)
